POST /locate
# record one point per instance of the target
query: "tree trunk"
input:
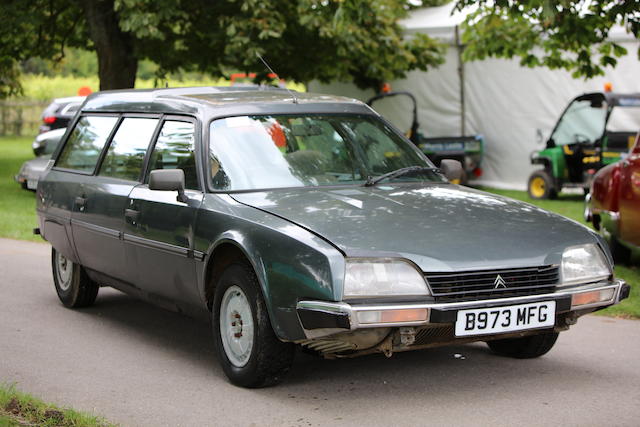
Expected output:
(117, 63)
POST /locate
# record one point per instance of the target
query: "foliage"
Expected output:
(568, 34)
(355, 40)
(35, 29)
(21, 409)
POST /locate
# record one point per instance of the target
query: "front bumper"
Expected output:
(323, 318)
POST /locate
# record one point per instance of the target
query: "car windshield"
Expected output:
(582, 122)
(258, 152)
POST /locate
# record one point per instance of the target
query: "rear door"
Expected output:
(98, 219)
(159, 229)
(630, 196)
(64, 186)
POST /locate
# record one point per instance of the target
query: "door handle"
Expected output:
(81, 203)
(132, 214)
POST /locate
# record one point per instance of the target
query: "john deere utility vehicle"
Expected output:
(467, 150)
(596, 129)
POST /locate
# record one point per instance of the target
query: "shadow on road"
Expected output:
(452, 371)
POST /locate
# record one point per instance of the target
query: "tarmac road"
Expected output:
(138, 365)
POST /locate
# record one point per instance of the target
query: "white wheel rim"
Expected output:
(236, 326)
(64, 268)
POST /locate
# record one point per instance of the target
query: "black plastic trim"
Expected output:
(315, 319)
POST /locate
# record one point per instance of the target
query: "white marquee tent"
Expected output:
(496, 98)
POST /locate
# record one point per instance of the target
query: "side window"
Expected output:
(128, 147)
(174, 149)
(85, 143)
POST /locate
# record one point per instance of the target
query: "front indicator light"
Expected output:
(592, 297)
(403, 315)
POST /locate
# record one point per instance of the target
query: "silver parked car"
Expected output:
(44, 145)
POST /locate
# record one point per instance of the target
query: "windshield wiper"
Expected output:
(398, 172)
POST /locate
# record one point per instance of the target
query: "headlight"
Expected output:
(584, 264)
(383, 277)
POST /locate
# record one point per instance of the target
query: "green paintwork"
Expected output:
(296, 239)
(555, 156)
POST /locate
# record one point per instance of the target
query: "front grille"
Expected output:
(485, 284)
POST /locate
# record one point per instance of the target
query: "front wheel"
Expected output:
(250, 353)
(541, 185)
(525, 347)
(74, 288)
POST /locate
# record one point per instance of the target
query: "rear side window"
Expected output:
(82, 150)
(174, 149)
(128, 147)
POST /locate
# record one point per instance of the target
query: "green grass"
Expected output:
(21, 409)
(571, 206)
(17, 206)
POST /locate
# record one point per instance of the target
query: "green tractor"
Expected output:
(468, 150)
(586, 138)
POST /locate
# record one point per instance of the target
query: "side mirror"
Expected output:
(452, 169)
(168, 180)
(539, 136)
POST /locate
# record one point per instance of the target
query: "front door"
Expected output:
(159, 229)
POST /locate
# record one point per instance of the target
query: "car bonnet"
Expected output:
(440, 227)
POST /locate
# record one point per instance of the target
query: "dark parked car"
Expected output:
(60, 112)
(44, 145)
(613, 204)
(299, 219)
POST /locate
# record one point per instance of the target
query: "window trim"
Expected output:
(67, 135)
(207, 147)
(196, 147)
(105, 151)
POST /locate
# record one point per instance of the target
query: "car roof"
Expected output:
(219, 101)
(614, 99)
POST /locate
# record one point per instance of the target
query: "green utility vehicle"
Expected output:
(595, 130)
(467, 150)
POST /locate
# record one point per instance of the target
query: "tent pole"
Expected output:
(460, 48)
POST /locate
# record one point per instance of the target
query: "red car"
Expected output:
(613, 204)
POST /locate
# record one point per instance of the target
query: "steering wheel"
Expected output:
(581, 138)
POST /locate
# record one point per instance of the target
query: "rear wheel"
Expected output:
(250, 353)
(525, 347)
(74, 288)
(541, 185)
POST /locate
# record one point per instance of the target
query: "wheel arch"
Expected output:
(221, 254)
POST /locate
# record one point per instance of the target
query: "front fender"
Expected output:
(290, 262)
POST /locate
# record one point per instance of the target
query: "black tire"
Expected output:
(525, 347)
(74, 288)
(541, 185)
(621, 254)
(269, 359)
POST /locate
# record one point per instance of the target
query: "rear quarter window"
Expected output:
(83, 148)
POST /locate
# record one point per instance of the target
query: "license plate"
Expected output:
(495, 320)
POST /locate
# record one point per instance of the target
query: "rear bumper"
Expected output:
(323, 318)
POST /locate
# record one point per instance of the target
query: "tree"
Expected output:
(568, 34)
(355, 40)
